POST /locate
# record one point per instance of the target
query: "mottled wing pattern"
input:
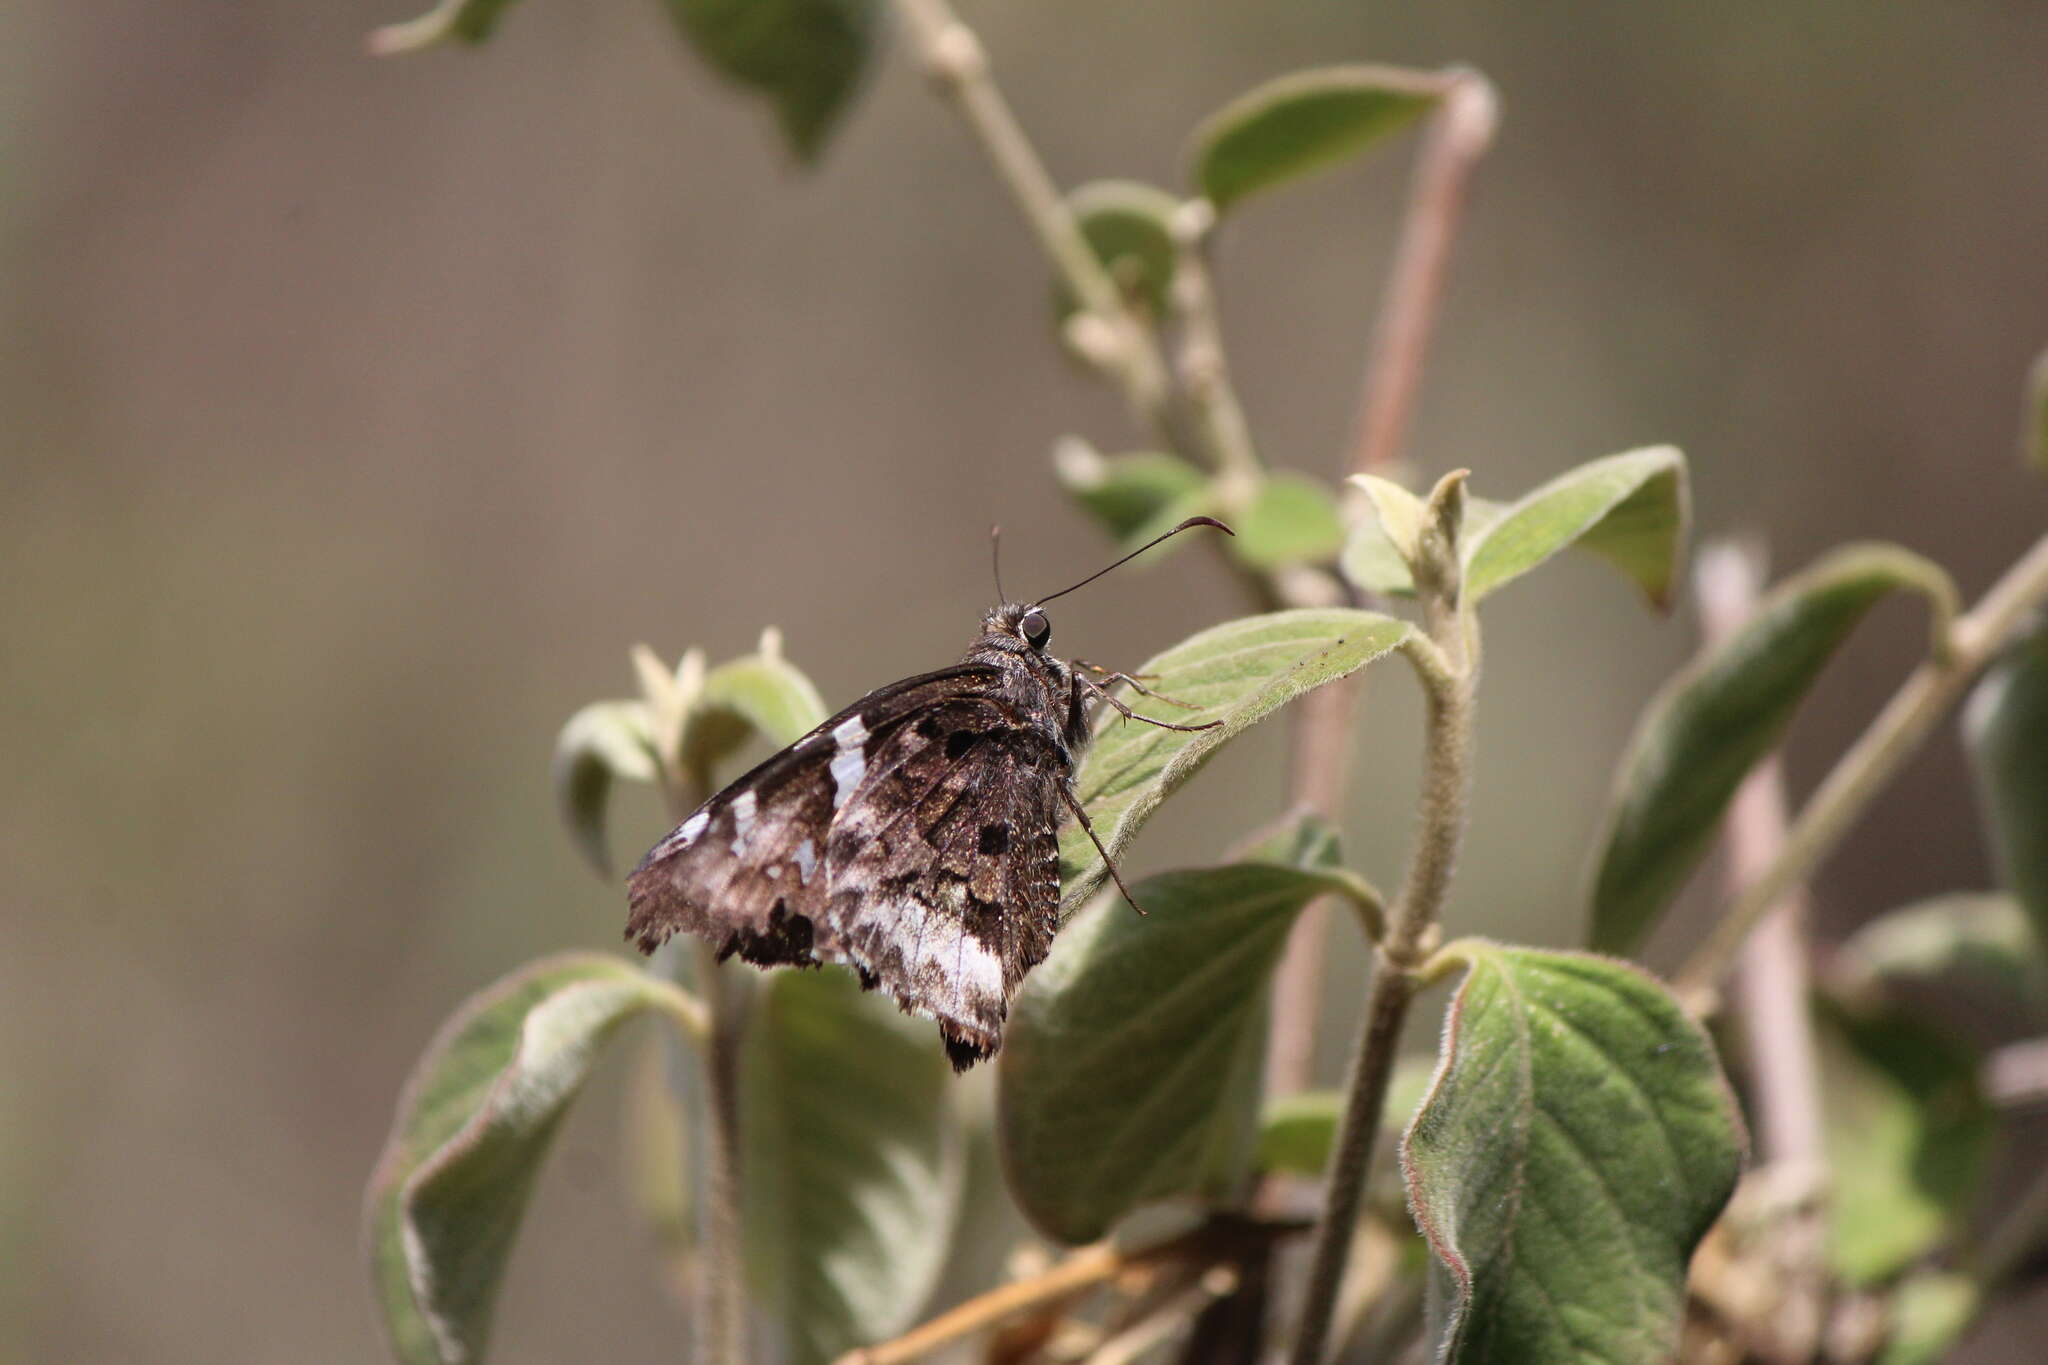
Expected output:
(746, 871)
(943, 867)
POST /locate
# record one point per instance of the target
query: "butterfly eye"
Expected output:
(1035, 628)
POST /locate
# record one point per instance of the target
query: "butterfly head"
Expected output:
(1022, 621)
(1027, 621)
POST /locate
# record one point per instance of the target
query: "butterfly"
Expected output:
(914, 836)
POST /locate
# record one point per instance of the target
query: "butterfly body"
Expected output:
(912, 836)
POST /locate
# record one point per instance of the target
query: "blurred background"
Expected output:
(359, 414)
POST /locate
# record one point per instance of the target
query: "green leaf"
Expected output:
(472, 1128)
(1719, 717)
(1238, 673)
(1983, 938)
(1296, 1132)
(1130, 225)
(1400, 519)
(806, 57)
(1575, 1145)
(1134, 497)
(604, 740)
(2005, 727)
(469, 20)
(2036, 417)
(1130, 1070)
(1299, 123)
(1292, 519)
(1373, 561)
(757, 694)
(1630, 509)
(854, 1162)
(1929, 1314)
(1908, 1138)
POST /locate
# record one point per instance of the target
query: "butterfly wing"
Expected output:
(943, 867)
(746, 871)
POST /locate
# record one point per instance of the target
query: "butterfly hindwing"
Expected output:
(943, 869)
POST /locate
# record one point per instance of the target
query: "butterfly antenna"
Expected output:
(1186, 525)
(995, 557)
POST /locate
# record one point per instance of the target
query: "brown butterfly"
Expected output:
(914, 836)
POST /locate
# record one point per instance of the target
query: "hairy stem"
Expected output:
(958, 64)
(1449, 675)
(1872, 761)
(1459, 134)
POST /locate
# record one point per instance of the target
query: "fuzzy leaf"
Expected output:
(1719, 717)
(1130, 1073)
(1400, 515)
(1130, 225)
(445, 1202)
(1630, 509)
(1136, 496)
(1292, 520)
(1908, 1135)
(471, 21)
(1239, 673)
(2005, 726)
(1373, 561)
(757, 694)
(1300, 123)
(605, 740)
(854, 1162)
(1576, 1143)
(1982, 938)
(805, 57)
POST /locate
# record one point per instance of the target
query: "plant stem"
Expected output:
(1321, 742)
(1204, 365)
(959, 65)
(1459, 134)
(721, 1326)
(722, 1336)
(1449, 675)
(1080, 1272)
(1774, 983)
(1871, 762)
(1775, 980)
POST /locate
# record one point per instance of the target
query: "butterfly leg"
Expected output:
(1128, 714)
(1107, 861)
(1110, 675)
